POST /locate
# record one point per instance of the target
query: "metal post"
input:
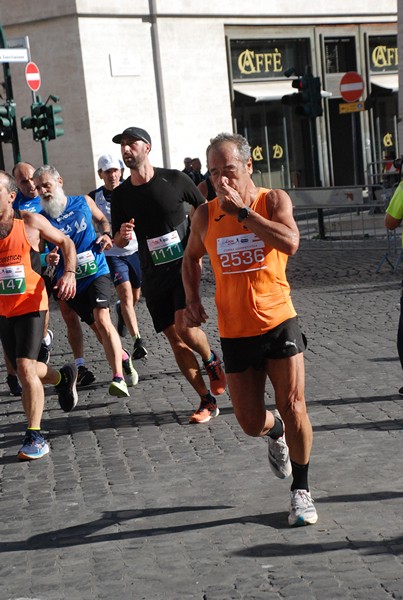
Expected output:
(10, 98)
(316, 172)
(44, 152)
(159, 84)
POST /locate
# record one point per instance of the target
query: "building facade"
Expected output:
(186, 70)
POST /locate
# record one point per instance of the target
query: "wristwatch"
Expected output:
(108, 233)
(243, 213)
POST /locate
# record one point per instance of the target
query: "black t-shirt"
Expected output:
(159, 210)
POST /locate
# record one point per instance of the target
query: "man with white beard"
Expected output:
(73, 215)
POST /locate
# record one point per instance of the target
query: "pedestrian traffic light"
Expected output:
(53, 121)
(7, 120)
(308, 100)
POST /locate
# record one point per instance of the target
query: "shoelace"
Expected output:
(301, 498)
(213, 368)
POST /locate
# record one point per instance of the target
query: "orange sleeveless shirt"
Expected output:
(22, 289)
(252, 291)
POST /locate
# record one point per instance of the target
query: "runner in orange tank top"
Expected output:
(23, 307)
(248, 234)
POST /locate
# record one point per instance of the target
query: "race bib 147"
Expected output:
(12, 280)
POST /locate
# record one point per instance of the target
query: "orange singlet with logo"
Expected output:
(252, 291)
(22, 289)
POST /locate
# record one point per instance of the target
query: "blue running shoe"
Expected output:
(33, 446)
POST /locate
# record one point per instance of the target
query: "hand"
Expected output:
(53, 257)
(126, 230)
(104, 242)
(229, 199)
(66, 286)
(194, 314)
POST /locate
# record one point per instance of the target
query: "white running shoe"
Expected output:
(302, 509)
(279, 456)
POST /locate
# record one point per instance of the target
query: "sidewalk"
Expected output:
(134, 503)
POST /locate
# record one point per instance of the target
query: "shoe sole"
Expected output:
(22, 456)
(117, 392)
(207, 419)
(272, 463)
(301, 521)
(278, 473)
(130, 379)
(69, 408)
(143, 354)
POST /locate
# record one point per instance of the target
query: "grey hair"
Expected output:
(11, 184)
(53, 172)
(241, 143)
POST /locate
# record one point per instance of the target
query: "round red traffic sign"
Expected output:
(351, 86)
(33, 76)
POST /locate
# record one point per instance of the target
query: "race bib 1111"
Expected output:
(165, 248)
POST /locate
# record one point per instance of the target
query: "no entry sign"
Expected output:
(33, 76)
(351, 86)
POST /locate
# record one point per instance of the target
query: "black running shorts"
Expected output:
(283, 341)
(22, 336)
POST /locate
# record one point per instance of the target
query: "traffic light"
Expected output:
(308, 100)
(43, 121)
(40, 121)
(7, 120)
(53, 121)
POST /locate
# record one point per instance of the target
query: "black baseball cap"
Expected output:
(134, 132)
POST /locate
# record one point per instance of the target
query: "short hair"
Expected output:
(18, 165)
(11, 184)
(53, 172)
(241, 143)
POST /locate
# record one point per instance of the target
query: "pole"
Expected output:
(9, 93)
(316, 172)
(44, 152)
(159, 84)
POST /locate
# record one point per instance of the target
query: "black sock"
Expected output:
(300, 476)
(277, 430)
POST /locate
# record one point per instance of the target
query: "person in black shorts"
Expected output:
(23, 309)
(151, 202)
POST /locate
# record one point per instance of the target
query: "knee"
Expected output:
(251, 427)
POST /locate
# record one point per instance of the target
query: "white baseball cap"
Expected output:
(107, 161)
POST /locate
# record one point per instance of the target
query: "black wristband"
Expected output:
(108, 233)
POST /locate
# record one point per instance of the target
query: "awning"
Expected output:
(264, 91)
(389, 82)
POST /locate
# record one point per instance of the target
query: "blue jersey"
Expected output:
(29, 204)
(76, 223)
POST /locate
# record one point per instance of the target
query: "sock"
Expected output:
(277, 430)
(33, 428)
(300, 476)
(125, 355)
(80, 362)
(136, 337)
(212, 357)
(59, 380)
(118, 376)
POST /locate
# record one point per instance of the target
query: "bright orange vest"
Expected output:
(22, 289)
(252, 291)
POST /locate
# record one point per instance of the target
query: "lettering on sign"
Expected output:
(277, 151)
(250, 62)
(382, 57)
(388, 140)
(257, 153)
